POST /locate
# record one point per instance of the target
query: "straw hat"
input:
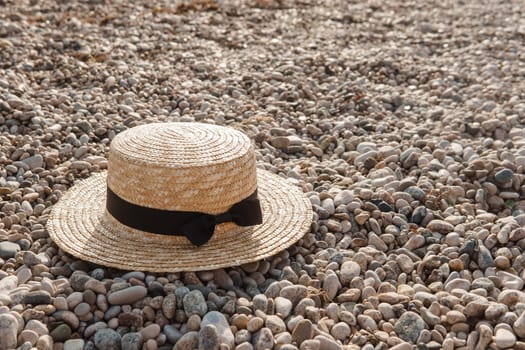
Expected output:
(179, 197)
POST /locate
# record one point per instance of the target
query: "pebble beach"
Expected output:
(401, 121)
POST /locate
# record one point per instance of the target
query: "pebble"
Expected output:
(263, 339)
(275, 324)
(409, 326)
(311, 344)
(294, 293)
(188, 341)
(302, 331)
(340, 331)
(283, 307)
(8, 331)
(221, 325)
(30, 336)
(8, 249)
(127, 295)
(150, 332)
(327, 343)
(504, 337)
(209, 338)
(61, 333)
(37, 326)
(519, 325)
(132, 341)
(349, 270)
(415, 172)
(37, 298)
(45, 342)
(107, 339)
(194, 303)
(75, 344)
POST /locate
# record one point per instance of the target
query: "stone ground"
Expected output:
(402, 121)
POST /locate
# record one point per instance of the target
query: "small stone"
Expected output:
(45, 342)
(78, 281)
(327, 343)
(349, 270)
(80, 165)
(8, 331)
(303, 330)
(409, 326)
(392, 298)
(127, 295)
(311, 344)
(24, 274)
(405, 263)
(331, 285)
(344, 197)
(33, 162)
(457, 283)
(37, 326)
(61, 333)
(8, 283)
(405, 346)
(440, 226)
(132, 341)
(340, 331)
(222, 279)
(263, 339)
(37, 297)
(8, 249)
(503, 175)
(454, 316)
(82, 309)
(194, 303)
(169, 305)
(367, 323)
(188, 341)
(260, 302)
(220, 323)
(172, 333)
(150, 332)
(74, 344)
(294, 293)
(280, 142)
(244, 346)
(28, 335)
(254, 324)
(416, 193)
(504, 338)
(519, 326)
(485, 259)
(275, 324)
(485, 336)
(193, 323)
(107, 339)
(209, 338)
(283, 307)
(96, 286)
(495, 310)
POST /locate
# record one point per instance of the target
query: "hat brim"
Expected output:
(80, 226)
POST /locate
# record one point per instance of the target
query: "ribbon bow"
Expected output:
(197, 227)
(200, 227)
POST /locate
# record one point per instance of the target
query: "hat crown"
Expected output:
(182, 166)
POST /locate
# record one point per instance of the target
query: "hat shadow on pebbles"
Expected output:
(179, 167)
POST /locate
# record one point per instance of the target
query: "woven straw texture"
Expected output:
(186, 167)
(80, 226)
(182, 166)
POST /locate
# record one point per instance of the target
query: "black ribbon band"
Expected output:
(197, 227)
